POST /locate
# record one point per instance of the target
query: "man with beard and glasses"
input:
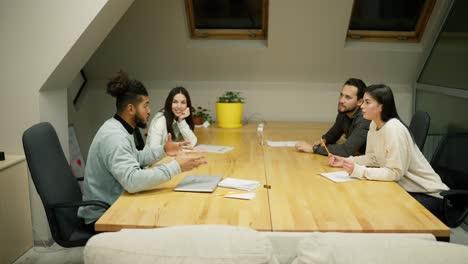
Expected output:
(114, 164)
(349, 122)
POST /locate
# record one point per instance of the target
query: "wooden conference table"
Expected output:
(292, 196)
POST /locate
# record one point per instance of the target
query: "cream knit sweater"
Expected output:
(391, 155)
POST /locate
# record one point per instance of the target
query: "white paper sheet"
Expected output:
(244, 196)
(214, 148)
(338, 176)
(281, 143)
(246, 185)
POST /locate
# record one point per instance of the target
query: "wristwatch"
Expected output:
(315, 148)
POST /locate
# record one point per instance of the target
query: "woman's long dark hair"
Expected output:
(384, 96)
(169, 115)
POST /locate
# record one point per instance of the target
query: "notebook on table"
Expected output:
(198, 183)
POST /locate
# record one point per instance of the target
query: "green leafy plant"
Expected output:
(231, 97)
(203, 113)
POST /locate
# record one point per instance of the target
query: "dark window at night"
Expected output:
(393, 20)
(228, 19)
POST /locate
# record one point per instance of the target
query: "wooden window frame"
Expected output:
(227, 33)
(395, 36)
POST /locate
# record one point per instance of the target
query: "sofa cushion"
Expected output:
(376, 248)
(285, 243)
(180, 244)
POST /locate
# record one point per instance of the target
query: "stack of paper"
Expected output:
(245, 185)
(243, 196)
(214, 148)
(338, 176)
(281, 143)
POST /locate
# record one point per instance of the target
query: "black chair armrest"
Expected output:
(455, 199)
(78, 204)
(451, 193)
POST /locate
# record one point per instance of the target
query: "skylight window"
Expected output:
(389, 20)
(227, 19)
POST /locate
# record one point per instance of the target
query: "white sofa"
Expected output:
(228, 244)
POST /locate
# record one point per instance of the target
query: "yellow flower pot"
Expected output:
(229, 115)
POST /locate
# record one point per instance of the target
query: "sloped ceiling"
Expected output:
(306, 43)
(77, 53)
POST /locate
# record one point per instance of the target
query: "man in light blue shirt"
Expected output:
(114, 164)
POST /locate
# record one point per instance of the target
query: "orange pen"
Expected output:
(325, 146)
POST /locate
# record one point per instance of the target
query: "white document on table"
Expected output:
(214, 148)
(245, 185)
(243, 196)
(338, 176)
(281, 143)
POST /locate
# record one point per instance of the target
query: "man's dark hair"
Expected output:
(126, 91)
(359, 84)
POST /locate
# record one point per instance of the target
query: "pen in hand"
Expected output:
(325, 146)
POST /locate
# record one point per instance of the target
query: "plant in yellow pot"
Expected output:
(229, 110)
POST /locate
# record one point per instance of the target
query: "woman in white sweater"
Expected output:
(391, 154)
(175, 118)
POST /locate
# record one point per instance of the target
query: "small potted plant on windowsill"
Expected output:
(201, 115)
(229, 110)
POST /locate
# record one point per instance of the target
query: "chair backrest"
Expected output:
(419, 127)
(450, 161)
(53, 179)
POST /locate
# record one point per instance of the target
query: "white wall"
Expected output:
(295, 75)
(306, 43)
(37, 34)
(279, 101)
(45, 43)
(36, 37)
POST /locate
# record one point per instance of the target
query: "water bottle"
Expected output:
(260, 137)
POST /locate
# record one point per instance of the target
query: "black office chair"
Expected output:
(419, 127)
(450, 162)
(56, 185)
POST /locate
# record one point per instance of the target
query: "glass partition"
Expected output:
(442, 87)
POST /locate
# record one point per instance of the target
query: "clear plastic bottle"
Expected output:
(260, 137)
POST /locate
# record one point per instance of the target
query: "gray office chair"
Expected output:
(57, 187)
(450, 163)
(419, 127)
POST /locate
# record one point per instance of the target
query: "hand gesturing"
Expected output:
(187, 163)
(173, 148)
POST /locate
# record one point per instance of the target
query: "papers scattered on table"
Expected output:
(214, 148)
(338, 176)
(244, 196)
(281, 143)
(245, 185)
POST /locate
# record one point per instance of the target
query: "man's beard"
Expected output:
(140, 122)
(347, 110)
